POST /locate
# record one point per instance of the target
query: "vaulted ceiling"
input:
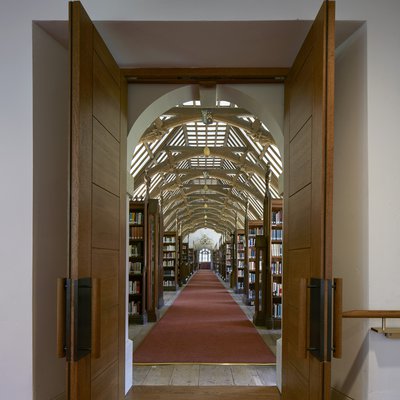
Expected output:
(207, 166)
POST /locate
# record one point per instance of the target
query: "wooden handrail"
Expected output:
(392, 333)
(371, 314)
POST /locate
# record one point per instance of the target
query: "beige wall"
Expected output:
(350, 214)
(50, 212)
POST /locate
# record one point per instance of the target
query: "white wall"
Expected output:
(50, 206)
(350, 211)
(383, 104)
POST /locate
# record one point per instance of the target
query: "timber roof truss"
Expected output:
(206, 172)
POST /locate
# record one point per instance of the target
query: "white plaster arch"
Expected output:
(154, 110)
(267, 105)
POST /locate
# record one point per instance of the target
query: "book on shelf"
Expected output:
(276, 217)
(136, 232)
(134, 287)
(276, 249)
(255, 231)
(136, 217)
(276, 267)
(169, 254)
(134, 307)
(276, 234)
(276, 289)
(277, 310)
(136, 250)
(135, 267)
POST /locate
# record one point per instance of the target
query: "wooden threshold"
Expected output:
(205, 76)
(139, 364)
(203, 393)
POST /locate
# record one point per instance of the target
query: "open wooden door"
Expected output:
(308, 213)
(96, 363)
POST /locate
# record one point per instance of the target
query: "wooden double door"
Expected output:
(98, 207)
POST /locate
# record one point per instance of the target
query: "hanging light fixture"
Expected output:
(205, 205)
(206, 152)
(207, 117)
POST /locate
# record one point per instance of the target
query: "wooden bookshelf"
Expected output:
(226, 261)
(216, 261)
(170, 265)
(255, 227)
(153, 262)
(137, 267)
(240, 260)
(233, 275)
(274, 315)
(184, 262)
(191, 260)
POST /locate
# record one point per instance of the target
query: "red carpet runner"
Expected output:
(204, 325)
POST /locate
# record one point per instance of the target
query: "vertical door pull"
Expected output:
(337, 318)
(61, 317)
(302, 321)
(96, 317)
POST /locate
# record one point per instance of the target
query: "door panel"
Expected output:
(308, 192)
(98, 203)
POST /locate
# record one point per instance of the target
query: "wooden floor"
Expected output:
(202, 393)
(204, 375)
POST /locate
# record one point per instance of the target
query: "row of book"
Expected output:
(169, 254)
(240, 256)
(277, 311)
(240, 273)
(252, 241)
(241, 264)
(252, 278)
(169, 263)
(276, 249)
(134, 307)
(169, 283)
(240, 247)
(276, 267)
(276, 234)
(256, 231)
(134, 287)
(240, 285)
(169, 248)
(169, 239)
(276, 217)
(136, 232)
(135, 250)
(252, 265)
(276, 289)
(136, 218)
(135, 267)
(252, 253)
(169, 273)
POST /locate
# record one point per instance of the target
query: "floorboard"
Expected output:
(203, 393)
